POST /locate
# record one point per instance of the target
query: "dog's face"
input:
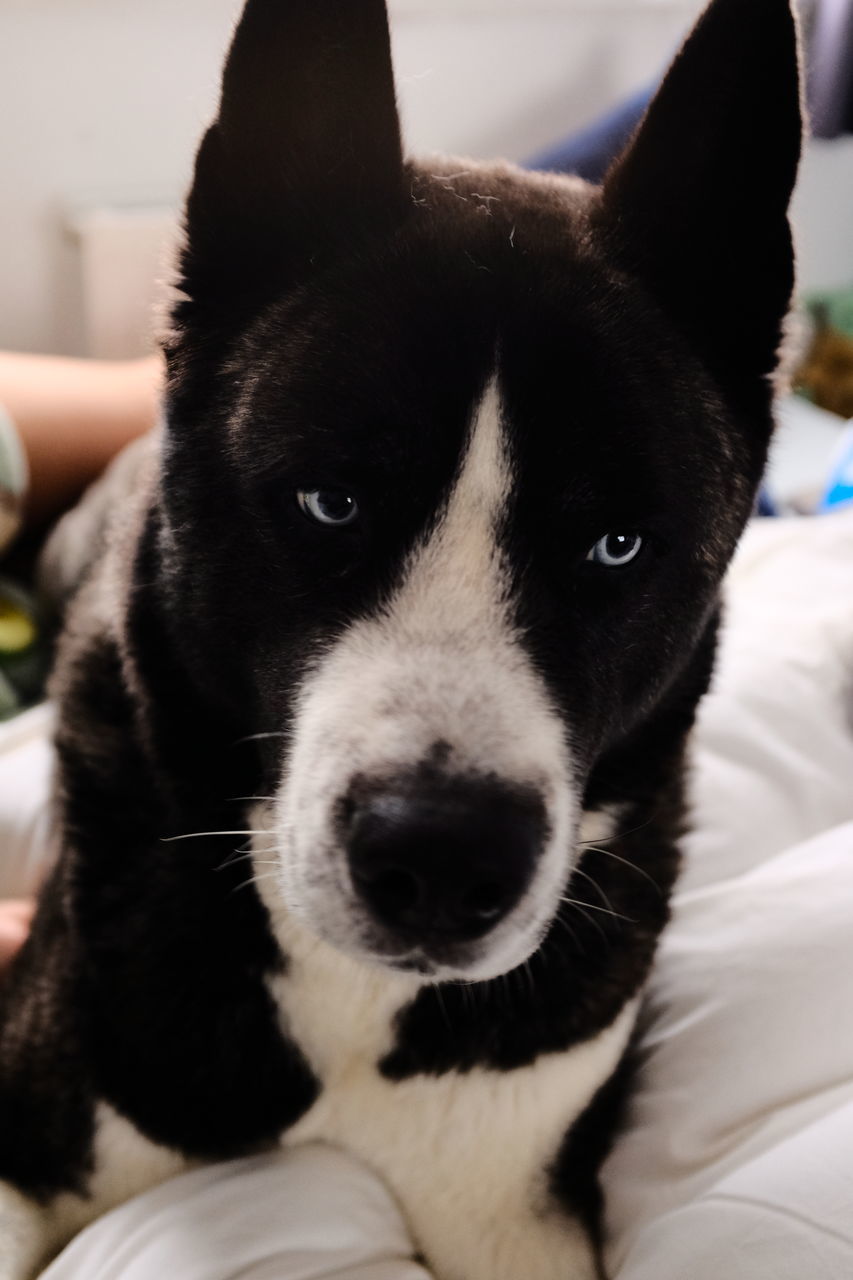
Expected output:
(457, 459)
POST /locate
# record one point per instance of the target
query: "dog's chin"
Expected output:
(434, 960)
(433, 969)
(436, 963)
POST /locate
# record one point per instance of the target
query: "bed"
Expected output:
(738, 1157)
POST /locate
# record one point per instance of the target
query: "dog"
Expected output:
(417, 593)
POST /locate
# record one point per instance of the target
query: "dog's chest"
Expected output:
(467, 1153)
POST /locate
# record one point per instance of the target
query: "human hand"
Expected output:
(15, 919)
(72, 417)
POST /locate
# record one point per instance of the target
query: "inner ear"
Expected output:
(305, 151)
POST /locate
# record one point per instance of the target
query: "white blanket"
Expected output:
(738, 1161)
(739, 1158)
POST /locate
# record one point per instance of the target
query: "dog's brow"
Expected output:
(459, 567)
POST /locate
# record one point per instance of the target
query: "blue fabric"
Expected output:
(839, 490)
(765, 505)
(590, 152)
(831, 69)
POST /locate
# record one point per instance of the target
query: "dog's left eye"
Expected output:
(616, 549)
(328, 506)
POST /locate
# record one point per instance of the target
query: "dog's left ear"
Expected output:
(304, 155)
(698, 204)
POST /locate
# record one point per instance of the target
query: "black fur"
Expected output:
(342, 312)
(574, 1177)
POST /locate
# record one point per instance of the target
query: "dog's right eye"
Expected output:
(328, 506)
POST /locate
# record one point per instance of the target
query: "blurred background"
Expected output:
(103, 102)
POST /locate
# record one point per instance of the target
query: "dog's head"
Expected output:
(456, 459)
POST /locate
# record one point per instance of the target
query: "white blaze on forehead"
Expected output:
(454, 582)
(440, 662)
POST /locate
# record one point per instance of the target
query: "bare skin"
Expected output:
(15, 917)
(72, 416)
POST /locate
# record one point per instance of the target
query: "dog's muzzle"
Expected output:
(441, 860)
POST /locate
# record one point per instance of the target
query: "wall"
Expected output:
(102, 101)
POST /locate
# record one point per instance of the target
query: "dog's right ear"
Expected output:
(304, 154)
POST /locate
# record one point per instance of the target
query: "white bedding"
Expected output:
(738, 1161)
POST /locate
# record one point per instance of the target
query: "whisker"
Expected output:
(590, 906)
(527, 972)
(580, 907)
(619, 835)
(266, 875)
(232, 860)
(641, 871)
(558, 919)
(439, 995)
(197, 835)
(598, 889)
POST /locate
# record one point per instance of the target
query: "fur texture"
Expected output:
(358, 606)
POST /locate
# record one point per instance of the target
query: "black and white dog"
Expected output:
(420, 589)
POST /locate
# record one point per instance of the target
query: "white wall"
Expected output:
(489, 77)
(823, 216)
(102, 101)
(99, 99)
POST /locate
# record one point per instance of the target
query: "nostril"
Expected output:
(392, 891)
(484, 902)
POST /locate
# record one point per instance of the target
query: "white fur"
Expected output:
(442, 662)
(600, 825)
(125, 1164)
(466, 1154)
(23, 1231)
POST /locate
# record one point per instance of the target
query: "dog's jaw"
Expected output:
(439, 668)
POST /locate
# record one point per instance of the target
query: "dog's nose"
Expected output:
(444, 860)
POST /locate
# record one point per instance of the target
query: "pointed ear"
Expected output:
(698, 204)
(305, 151)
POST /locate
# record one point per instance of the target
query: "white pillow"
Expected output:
(738, 1161)
(773, 757)
(309, 1214)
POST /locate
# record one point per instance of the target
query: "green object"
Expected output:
(17, 628)
(13, 479)
(835, 308)
(24, 651)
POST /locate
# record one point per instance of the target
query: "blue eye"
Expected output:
(328, 506)
(616, 549)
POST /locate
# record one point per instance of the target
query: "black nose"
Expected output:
(444, 858)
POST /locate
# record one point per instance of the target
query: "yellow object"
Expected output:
(17, 629)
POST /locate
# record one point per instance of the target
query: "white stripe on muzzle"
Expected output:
(440, 663)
